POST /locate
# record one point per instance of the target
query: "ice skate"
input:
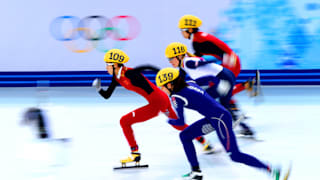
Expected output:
(249, 134)
(253, 85)
(249, 84)
(208, 149)
(275, 173)
(257, 85)
(193, 175)
(237, 116)
(286, 176)
(237, 121)
(133, 158)
(246, 132)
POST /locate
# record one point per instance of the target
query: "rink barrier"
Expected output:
(85, 78)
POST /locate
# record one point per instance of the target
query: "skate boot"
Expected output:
(250, 86)
(257, 85)
(135, 157)
(236, 115)
(208, 149)
(246, 132)
(275, 173)
(253, 85)
(193, 175)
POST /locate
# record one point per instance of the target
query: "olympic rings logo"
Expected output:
(94, 35)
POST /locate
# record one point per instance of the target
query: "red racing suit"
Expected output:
(207, 44)
(158, 101)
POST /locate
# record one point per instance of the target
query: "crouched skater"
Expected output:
(191, 96)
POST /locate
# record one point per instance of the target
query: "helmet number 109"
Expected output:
(166, 77)
(116, 56)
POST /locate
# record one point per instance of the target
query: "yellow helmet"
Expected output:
(166, 75)
(189, 21)
(175, 49)
(116, 56)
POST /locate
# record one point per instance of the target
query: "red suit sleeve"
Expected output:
(207, 44)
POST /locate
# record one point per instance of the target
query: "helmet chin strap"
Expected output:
(166, 85)
(180, 60)
(114, 71)
(190, 34)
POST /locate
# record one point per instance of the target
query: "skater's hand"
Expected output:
(97, 84)
(223, 87)
(176, 122)
(229, 59)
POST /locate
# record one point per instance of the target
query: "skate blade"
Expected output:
(213, 151)
(286, 177)
(131, 166)
(209, 152)
(257, 86)
(237, 122)
(254, 138)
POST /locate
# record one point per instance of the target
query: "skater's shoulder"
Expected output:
(193, 87)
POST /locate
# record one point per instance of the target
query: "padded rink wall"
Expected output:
(85, 78)
(62, 43)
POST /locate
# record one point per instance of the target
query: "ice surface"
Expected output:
(286, 118)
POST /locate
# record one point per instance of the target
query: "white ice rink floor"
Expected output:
(286, 118)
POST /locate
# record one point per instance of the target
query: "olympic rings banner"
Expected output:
(80, 28)
(49, 36)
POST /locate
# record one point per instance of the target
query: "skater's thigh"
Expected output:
(144, 113)
(199, 128)
(225, 134)
(212, 91)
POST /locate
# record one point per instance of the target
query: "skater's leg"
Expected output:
(228, 140)
(196, 129)
(223, 99)
(43, 126)
(139, 115)
(248, 85)
(200, 139)
(238, 88)
(171, 113)
(235, 112)
(37, 116)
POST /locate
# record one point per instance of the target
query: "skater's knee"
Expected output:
(180, 128)
(125, 120)
(235, 156)
(184, 136)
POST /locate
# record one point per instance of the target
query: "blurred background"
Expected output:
(73, 36)
(47, 38)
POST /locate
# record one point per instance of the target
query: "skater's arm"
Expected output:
(137, 79)
(197, 53)
(146, 67)
(209, 58)
(107, 93)
(178, 103)
(193, 64)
